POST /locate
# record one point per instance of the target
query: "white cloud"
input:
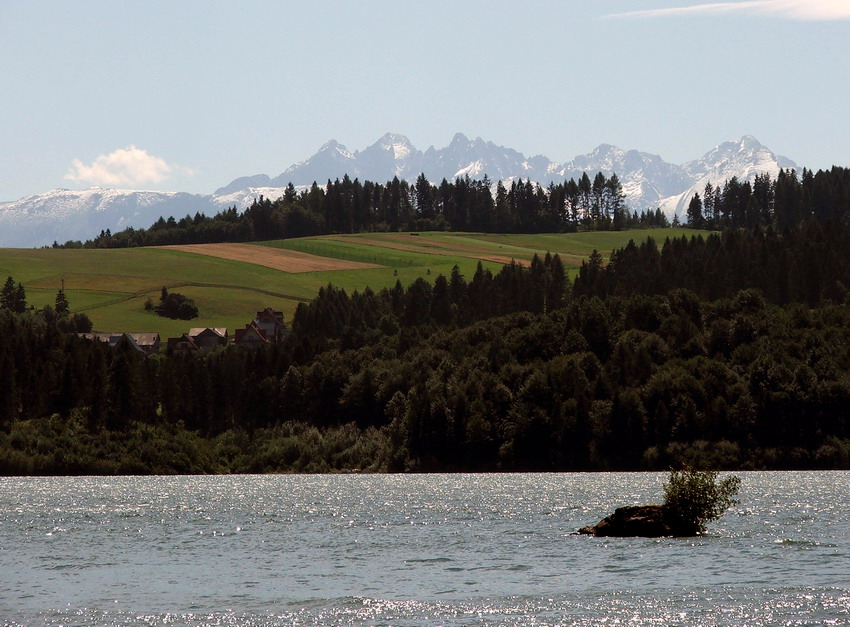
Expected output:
(129, 166)
(812, 10)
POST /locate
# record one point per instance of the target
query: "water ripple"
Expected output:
(411, 550)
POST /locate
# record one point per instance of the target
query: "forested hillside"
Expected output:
(729, 351)
(348, 206)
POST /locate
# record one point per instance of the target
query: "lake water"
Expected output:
(414, 550)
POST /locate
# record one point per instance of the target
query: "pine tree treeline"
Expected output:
(807, 265)
(783, 202)
(348, 206)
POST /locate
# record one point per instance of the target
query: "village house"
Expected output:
(147, 343)
(271, 323)
(251, 337)
(208, 338)
(268, 327)
(150, 343)
(182, 344)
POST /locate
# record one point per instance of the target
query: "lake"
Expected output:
(456, 549)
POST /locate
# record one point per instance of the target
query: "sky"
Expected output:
(188, 96)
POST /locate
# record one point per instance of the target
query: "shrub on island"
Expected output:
(692, 499)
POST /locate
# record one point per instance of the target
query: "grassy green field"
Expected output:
(111, 286)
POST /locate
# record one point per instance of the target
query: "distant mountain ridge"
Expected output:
(648, 182)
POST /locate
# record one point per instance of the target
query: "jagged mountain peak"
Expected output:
(747, 144)
(332, 156)
(332, 146)
(459, 138)
(605, 149)
(399, 145)
(749, 141)
(394, 139)
(648, 182)
(742, 156)
(743, 159)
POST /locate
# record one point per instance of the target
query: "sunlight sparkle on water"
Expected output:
(411, 550)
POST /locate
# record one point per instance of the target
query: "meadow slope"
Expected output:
(231, 282)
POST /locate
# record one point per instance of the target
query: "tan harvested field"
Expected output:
(413, 244)
(291, 261)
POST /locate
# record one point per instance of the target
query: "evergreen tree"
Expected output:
(709, 206)
(61, 305)
(615, 200)
(20, 302)
(7, 296)
(13, 297)
(9, 403)
(584, 197)
(556, 285)
(599, 209)
(424, 197)
(695, 217)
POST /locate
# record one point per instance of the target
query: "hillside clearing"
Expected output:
(230, 282)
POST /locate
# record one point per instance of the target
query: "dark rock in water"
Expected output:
(646, 521)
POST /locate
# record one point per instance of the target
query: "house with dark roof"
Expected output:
(272, 324)
(147, 343)
(182, 344)
(251, 337)
(208, 338)
(150, 343)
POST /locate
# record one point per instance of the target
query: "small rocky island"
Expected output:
(692, 498)
(647, 521)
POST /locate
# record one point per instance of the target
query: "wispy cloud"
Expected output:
(810, 10)
(129, 166)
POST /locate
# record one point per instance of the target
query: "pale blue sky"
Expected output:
(210, 91)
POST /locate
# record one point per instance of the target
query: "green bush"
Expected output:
(693, 498)
(176, 306)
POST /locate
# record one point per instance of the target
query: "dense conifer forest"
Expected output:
(730, 351)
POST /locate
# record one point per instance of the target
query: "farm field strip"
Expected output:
(354, 249)
(439, 242)
(479, 241)
(285, 260)
(410, 244)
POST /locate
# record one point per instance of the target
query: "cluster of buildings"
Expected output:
(266, 328)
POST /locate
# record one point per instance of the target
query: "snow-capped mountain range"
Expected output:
(648, 182)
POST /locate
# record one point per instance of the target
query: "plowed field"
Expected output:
(276, 258)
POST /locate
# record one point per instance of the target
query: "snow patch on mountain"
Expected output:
(61, 215)
(243, 198)
(744, 160)
(474, 170)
